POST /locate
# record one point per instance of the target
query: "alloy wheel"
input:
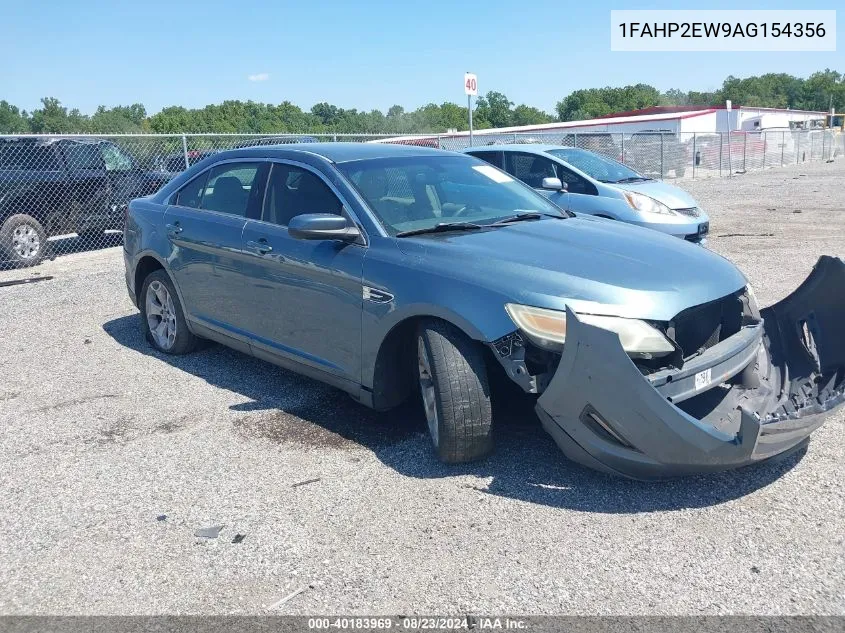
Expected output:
(161, 315)
(427, 390)
(25, 241)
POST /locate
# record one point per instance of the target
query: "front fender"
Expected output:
(479, 312)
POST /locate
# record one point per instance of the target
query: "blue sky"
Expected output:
(365, 54)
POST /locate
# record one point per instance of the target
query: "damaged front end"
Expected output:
(756, 386)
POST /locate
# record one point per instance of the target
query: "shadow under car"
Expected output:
(285, 407)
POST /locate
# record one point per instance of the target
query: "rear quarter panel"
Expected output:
(144, 235)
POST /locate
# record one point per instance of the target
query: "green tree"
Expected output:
(595, 102)
(172, 120)
(119, 120)
(824, 88)
(328, 114)
(673, 96)
(705, 98)
(52, 118)
(773, 90)
(12, 120)
(528, 115)
(494, 110)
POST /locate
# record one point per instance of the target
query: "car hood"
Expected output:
(671, 196)
(592, 265)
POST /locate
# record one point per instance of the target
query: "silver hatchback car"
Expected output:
(584, 182)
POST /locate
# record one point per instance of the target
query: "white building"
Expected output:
(678, 120)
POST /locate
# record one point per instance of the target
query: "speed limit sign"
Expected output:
(471, 84)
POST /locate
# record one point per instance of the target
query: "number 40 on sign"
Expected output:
(470, 84)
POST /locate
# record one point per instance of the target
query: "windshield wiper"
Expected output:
(519, 217)
(634, 179)
(441, 228)
(527, 215)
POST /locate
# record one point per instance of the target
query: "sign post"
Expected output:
(471, 89)
(730, 131)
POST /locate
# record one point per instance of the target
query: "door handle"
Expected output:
(173, 229)
(261, 246)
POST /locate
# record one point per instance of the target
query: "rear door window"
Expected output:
(35, 156)
(82, 157)
(494, 158)
(191, 194)
(229, 188)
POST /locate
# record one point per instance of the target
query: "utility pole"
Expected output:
(470, 88)
(469, 109)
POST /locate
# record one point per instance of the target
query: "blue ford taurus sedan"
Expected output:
(389, 271)
(585, 182)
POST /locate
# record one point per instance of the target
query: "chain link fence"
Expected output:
(671, 156)
(61, 194)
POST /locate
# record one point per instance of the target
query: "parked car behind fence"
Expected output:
(52, 186)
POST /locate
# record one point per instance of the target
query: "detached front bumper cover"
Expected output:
(755, 401)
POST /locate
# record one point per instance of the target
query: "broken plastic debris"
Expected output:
(238, 538)
(209, 532)
(306, 482)
(17, 282)
(286, 598)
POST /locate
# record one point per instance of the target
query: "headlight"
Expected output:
(547, 328)
(645, 204)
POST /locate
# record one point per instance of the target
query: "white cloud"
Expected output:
(259, 77)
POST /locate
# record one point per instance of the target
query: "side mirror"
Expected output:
(553, 184)
(322, 226)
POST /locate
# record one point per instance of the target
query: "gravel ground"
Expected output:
(113, 456)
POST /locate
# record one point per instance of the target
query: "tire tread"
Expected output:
(462, 392)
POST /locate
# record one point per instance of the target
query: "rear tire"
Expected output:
(23, 241)
(455, 392)
(162, 317)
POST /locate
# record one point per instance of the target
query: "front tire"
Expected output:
(162, 316)
(23, 240)
(455, 392)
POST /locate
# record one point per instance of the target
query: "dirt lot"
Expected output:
(112, 456)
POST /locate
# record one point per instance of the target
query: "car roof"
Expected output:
(340, 152)
(534, 148)
(47, 140)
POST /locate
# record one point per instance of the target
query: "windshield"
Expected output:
(116, 159)
(595, 166)
(419, 192)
